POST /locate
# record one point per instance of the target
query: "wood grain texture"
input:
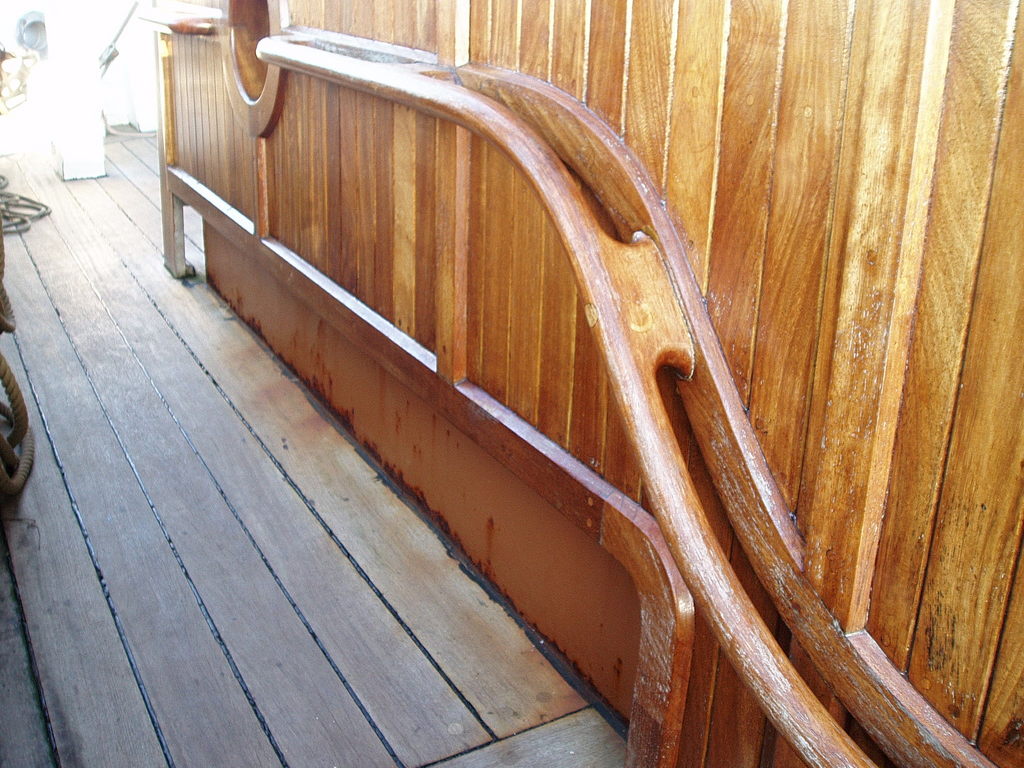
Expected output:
(802, 194)
(878, 165)
(974, 102)
(23, 731)
(177, 638)
(849, 402)
(607, 61)
(746, 155)
(457, 624)
(696, 122)
(965, 596)
(581, 740)
(412, 703)
(216, 558)
(648, 89)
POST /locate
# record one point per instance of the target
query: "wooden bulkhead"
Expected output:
(697, 324)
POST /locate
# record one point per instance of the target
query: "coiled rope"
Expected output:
(14, 468)
(18, 211)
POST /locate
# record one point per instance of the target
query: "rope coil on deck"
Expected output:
(14, 468)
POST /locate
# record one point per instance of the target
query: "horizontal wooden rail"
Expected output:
(642, 303)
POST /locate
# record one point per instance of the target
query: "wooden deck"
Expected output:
(203, 570)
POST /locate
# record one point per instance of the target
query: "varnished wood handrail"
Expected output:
(895, 713)
(201, 22)
(639, 296)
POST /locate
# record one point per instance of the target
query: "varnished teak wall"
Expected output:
(848, 178)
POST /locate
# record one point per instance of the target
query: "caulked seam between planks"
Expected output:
(111, 606)
(26, 639)
(317, 516)
(160, 522)
(489, 744)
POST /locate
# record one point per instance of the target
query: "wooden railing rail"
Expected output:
(635, 314)
(891, 709)
(645, 309)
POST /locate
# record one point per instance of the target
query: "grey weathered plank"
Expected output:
(306, 706)
(204, 714)
(23, 738)
(417, 710)
(581, 740)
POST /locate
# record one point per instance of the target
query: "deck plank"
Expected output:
(23, 738)
(489, 658)
(581, 740)
(176, 654)
(136, 159)
(305, 705)
(421, 716)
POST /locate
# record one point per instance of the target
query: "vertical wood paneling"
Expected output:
(969, 132)
(504, 37)
(649, 80)
(404, 219)
(500, 178)
(966, 592)
(526, 271)
(607, 60)
(569, 44)
(534, 37)
(354, 240)
(558, 338)
(1002, 734)
(478, 238)
(383, 266)
(431, 183)
(878, 148)
(744, 179)
(589, 397)
(696, 124)
(807, 144)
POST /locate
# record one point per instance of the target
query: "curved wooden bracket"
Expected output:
(646, 311)
(895, 714)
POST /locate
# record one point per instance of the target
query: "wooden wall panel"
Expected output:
(879, 140)
(412, 23)
(746, 156)
(352, 189)
(979, 521)
(696, 120)
(846, 175)
(803, 189)
(974, 100)
(212, 145)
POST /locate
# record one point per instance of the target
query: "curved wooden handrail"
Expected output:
(896, 715)
(642, 302)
